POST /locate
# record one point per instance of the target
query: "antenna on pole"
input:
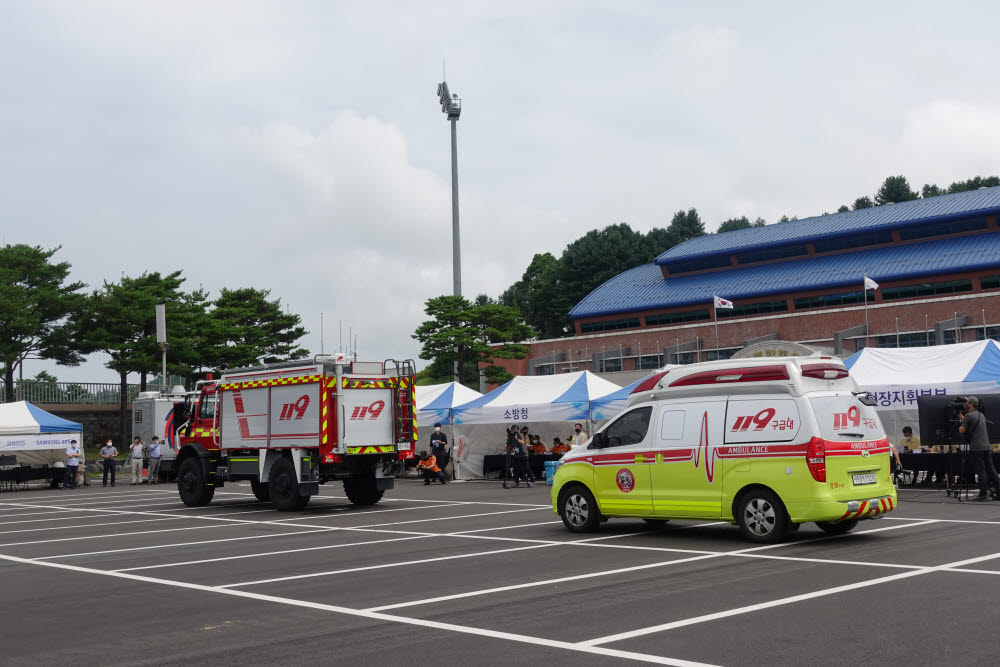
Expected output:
(321, 333)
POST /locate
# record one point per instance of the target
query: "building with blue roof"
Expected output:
(936, 262)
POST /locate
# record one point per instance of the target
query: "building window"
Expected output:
(992, 333)
(677, 318)
(649, 362)
(771, 254)
(610, 325)
(829, 300)
(944, 228)
(904, 340)
(926, 289)
(752, 309)
(682, 358)
(700, 264)
(611, 365)
(724, 353)
(545, 369)
(991, 282)
(852, 241)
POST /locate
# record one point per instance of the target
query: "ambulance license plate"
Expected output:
(867, 478)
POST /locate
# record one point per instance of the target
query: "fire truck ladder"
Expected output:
(404, 407)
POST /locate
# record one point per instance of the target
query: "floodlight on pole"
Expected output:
(451, 106)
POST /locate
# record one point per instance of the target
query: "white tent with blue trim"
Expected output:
(24, 427)
(540, 398)
(897, 377)
(436, 401)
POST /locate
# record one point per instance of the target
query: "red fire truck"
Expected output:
(289, 427)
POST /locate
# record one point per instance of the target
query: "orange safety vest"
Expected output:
(430, 463)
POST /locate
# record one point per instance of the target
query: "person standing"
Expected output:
(135, 456)
(73, 455)
(154, 460)
(439, 447)
(108, 454)
(579, 436)
(974, 424)
(521, 467)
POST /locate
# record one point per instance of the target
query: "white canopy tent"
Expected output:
(543, 403)
(30, 432)
(896, 377)
(436, 401)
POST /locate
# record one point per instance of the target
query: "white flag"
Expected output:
(870, 284)
(722, 303)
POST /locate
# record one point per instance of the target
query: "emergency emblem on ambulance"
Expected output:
(625, 480)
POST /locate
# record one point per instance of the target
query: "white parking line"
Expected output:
(117, 523)
(783, 601)
(418, 622)
(605, 573)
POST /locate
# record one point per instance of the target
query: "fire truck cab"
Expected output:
(289, 427)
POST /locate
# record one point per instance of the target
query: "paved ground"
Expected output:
(473, 573)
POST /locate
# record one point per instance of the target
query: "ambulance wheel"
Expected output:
(260, 490)
(837, 527)
(578, 509)
(762, 517)
(283, 486)
(656, 523)
(191, 483)
(362, 490)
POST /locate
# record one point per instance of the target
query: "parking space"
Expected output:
(474, 572)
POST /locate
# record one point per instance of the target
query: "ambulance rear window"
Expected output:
(845, 417)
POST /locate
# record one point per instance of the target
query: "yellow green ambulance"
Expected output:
(767, 444)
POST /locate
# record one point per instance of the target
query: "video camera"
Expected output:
(940, 417)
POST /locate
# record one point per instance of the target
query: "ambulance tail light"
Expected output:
(649, 383)
(816, 459)
(824, 371)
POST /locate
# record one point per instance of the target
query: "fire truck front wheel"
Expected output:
(283, 486)
(191, 483)
(362, 490)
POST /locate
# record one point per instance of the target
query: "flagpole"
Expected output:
(715, 316)
(866, 309)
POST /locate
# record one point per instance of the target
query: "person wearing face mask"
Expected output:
(108, 454)
(439, 447)
(579, 436)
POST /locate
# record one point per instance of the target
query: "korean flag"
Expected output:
(722, 303)
(870, 284)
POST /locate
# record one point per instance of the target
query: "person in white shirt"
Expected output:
(135, 454)
(73, 455)
(579, 436)
(108, 454)
(154, 460)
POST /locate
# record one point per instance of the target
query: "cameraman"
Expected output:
(519, 457)
(974, 425)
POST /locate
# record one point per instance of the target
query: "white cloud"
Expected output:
(949, 140)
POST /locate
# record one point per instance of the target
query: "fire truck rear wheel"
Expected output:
(191, 483)
(362, 490)
(260, 490)
(283, 486)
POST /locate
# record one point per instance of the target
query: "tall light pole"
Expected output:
(451, 106)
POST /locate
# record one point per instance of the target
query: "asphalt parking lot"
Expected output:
(473, 573)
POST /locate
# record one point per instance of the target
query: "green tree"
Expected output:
(741, 222)
(895, 189)
(844, 208)
(931, 191)
(36, 307)
(537, 295)
(120, 321)
(686, 225)
(862, 202)
(974, 184)
(462, 331)
(246, 329)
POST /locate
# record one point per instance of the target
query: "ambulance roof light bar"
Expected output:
(728, 375)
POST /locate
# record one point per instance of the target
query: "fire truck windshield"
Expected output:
(207, 406)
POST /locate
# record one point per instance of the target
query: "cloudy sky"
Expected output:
(299, 147)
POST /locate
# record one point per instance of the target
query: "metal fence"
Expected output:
(103, 393)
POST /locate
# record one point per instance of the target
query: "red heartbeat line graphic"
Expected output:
(703, 443)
